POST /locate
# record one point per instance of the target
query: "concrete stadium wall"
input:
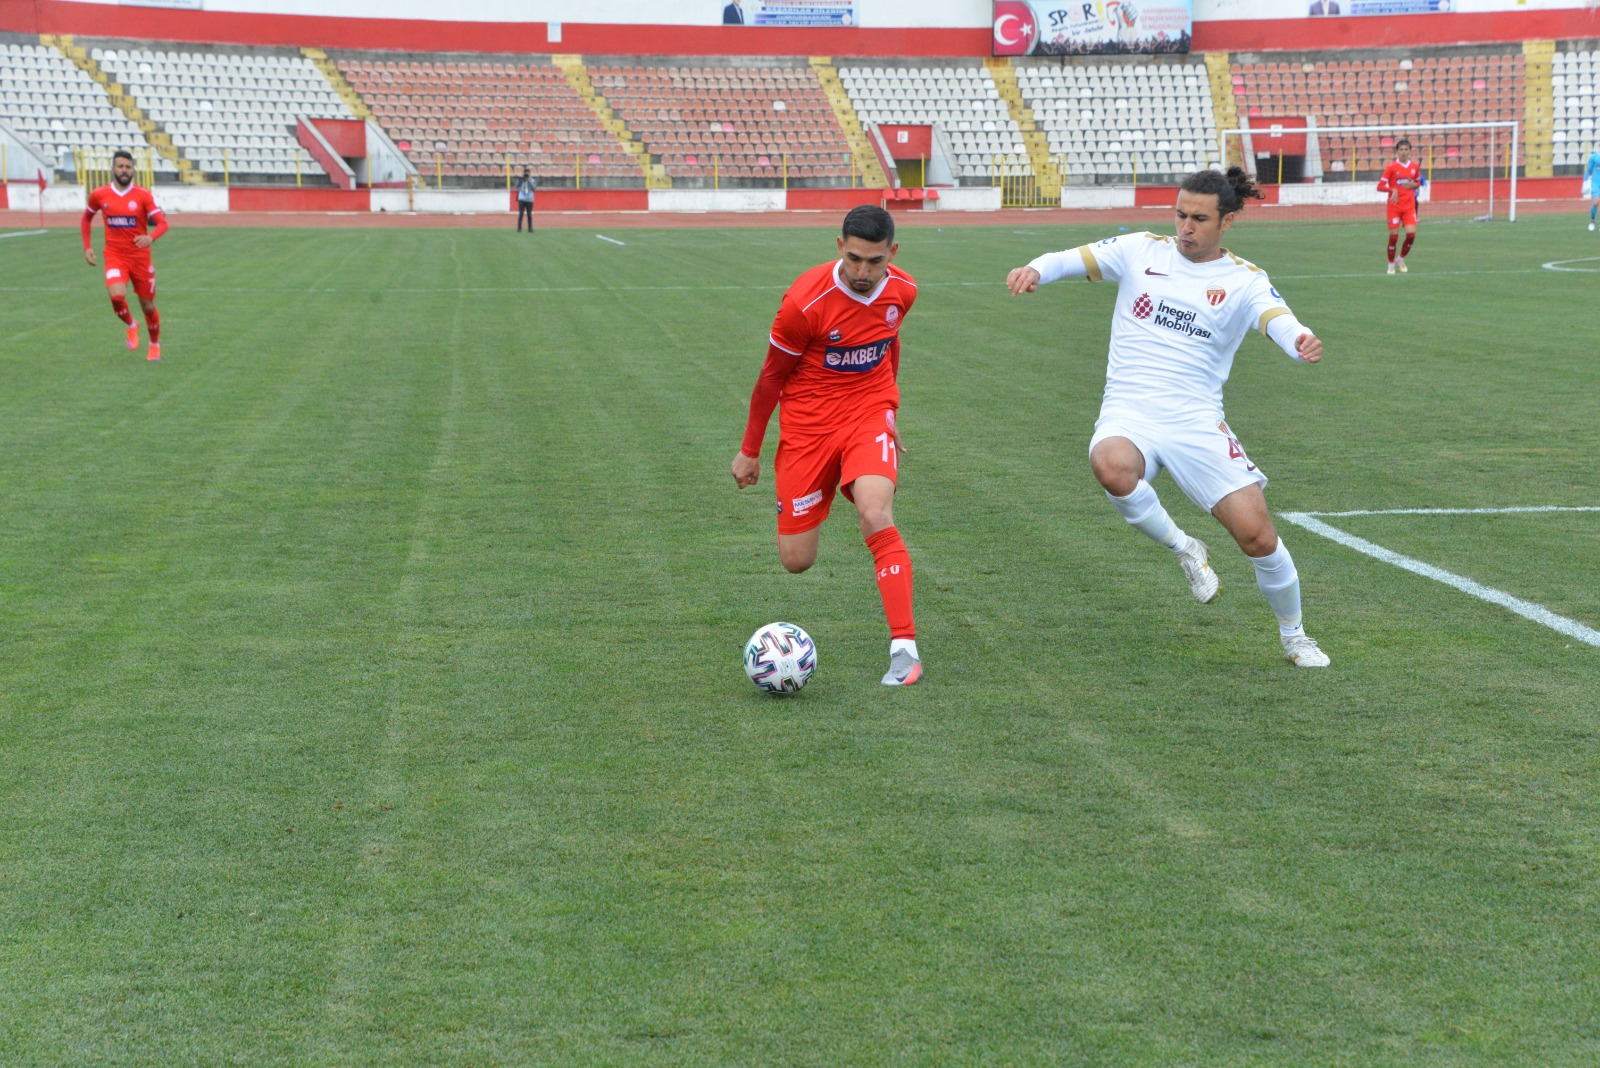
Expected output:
(623, 38)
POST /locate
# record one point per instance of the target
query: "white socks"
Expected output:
(1280, 584)
(908, 644)
(1142, 509)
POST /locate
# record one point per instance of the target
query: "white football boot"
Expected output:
(1302, 651)
(1196, 561)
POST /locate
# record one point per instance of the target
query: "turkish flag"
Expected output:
(1016, 30)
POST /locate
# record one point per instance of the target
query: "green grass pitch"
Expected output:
(370, 687)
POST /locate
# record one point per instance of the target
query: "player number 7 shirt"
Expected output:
(849, 348)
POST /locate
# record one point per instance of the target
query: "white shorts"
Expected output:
(1206, 460)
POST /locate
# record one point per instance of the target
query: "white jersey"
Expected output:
(1177, 324)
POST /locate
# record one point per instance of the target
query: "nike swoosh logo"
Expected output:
(1158, 274)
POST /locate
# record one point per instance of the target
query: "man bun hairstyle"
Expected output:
(870, 223)
(1231, 189)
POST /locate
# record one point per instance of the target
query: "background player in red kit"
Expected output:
(1401, 180)
(832, 360)
(129, 211)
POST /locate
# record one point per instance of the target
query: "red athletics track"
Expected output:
(1154, 216)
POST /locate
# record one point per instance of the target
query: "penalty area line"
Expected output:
(1526, 609)
(613, 240)
(21, 233)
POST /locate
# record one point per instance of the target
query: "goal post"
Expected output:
(1331, 171)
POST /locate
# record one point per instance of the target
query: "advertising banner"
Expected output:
(1090, 27)
(802, 12)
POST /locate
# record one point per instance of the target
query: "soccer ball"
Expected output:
(780, 658)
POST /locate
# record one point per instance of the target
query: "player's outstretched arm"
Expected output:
(746, 470)
(1022, 280)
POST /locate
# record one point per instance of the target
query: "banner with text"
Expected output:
(803, 12)
(1090, 27)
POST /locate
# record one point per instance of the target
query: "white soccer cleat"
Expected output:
(1401, 263)
(904, 669)
(1391, 267)
(1196, 561)
(1302, 651)
(1591, 228)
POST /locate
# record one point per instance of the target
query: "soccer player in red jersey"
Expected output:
(832, 361)
(1401, 180)
(128, 210)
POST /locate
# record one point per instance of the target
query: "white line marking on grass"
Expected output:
(613, 240)
(1556, 265)
(1460, 511)
(21, 233)
(1526, 609)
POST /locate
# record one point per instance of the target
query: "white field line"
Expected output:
(21, 233)
(613, 240)
(1561, 265)
(1459, 511)
(1526, 609)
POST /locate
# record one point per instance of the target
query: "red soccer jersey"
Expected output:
(848, 344)
(1404, 199)
(127, 214)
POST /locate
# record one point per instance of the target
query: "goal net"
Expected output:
(1310, 171)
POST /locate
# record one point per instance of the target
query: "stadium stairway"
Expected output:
(340, 84)
(844, 112)
(1047, 175)
(1539, 109)
(577, 74)
(123, 101)
(1223, 104)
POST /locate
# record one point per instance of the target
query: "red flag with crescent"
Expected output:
(1016, 30)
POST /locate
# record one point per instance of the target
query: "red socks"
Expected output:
(152, 323)
(893, 564)
(120, 306)
(1393, 240)
(1405, 248)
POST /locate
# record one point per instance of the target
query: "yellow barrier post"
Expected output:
(577, 171)
(438, 170)
(786, 172)
(1280, 168)
(716, 172)
(225, 177)
(508, 172)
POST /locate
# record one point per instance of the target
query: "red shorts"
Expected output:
(138, 273)
(809, 470)
(1399, 217)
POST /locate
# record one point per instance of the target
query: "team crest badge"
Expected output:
(1216, 296)
(834, 335)
(892, 316)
